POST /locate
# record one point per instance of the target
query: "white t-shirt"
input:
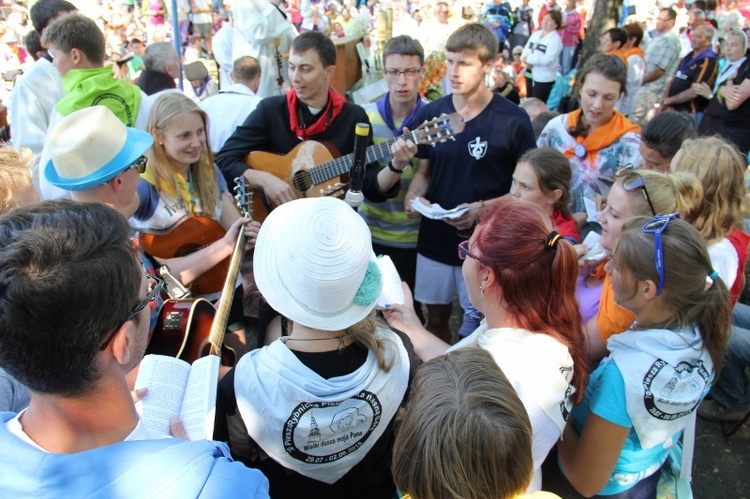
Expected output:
(540, 368)
(725, 261)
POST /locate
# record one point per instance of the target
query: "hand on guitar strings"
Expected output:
(403, 151)
(251, 232)
(277, 190)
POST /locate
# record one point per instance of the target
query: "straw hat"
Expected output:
(90, 147)
(314, 263)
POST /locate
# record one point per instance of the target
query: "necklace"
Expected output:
(340, 340)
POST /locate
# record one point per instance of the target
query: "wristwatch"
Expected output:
(396, 170)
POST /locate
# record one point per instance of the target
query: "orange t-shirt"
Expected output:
(612, 318)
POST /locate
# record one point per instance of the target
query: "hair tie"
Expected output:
(552, 239)
(710, 280)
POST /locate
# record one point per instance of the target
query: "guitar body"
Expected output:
(188, 236)
(293, 167)
(311, 170)
(183, 331)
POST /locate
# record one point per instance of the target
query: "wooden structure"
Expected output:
(348, 66)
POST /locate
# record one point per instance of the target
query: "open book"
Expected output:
(175, 388)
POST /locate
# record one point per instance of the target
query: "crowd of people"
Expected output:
(588, 215)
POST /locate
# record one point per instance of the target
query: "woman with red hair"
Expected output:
(521, 274)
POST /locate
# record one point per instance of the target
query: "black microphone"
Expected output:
(354, 196)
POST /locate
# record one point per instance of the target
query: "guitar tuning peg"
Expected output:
(435, 143)
(453, 138)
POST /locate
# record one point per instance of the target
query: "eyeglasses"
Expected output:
(411, 73)
(139, 164)
(463, 252)
(155, 285)
(656, 227)
(633, 180)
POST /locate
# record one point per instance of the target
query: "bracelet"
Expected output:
(396, 170)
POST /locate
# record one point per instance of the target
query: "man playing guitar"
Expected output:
(311, 110)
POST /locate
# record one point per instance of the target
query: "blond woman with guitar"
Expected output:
(180, 183)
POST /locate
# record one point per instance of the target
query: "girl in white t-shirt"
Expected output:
(521, 274)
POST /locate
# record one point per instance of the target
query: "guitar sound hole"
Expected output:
(302, 181)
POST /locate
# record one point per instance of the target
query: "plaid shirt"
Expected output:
(663, 52)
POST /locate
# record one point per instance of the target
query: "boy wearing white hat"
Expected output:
(98, 159)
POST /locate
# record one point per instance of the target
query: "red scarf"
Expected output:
(739, 241)
(602, 137)
(332, 110)
(566, 226)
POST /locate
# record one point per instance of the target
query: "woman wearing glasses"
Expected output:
(596, 139)
(728, 111)
(520, 273)
(643, 394)
(635, 193)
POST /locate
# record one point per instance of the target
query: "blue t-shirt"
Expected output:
(605, 397)
(478, 165)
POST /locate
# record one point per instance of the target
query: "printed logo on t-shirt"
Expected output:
(116, 104)
(477, 148)
(324, 432)
(671, 393)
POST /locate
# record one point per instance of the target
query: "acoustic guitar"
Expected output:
(189, 235)
(192, 328)
(311, 169)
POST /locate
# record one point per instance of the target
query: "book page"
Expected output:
(166, 379)
(199, 403)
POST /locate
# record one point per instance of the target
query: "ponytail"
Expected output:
(691, 291)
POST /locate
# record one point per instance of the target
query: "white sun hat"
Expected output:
(91, 146)
(314, 263)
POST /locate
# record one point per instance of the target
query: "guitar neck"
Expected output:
(339, 166)
(219, 326)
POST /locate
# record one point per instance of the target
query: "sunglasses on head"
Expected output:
(656, 226)
(632, 180)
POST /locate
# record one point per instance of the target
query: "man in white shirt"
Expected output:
(231, 107)
(36, 93)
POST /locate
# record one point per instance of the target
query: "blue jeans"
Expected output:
(733, 388)
(698, 117)
(566, 57)
(472, 318)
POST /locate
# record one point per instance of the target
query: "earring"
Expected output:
(481, 290)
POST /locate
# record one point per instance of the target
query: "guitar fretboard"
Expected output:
(339, 166)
